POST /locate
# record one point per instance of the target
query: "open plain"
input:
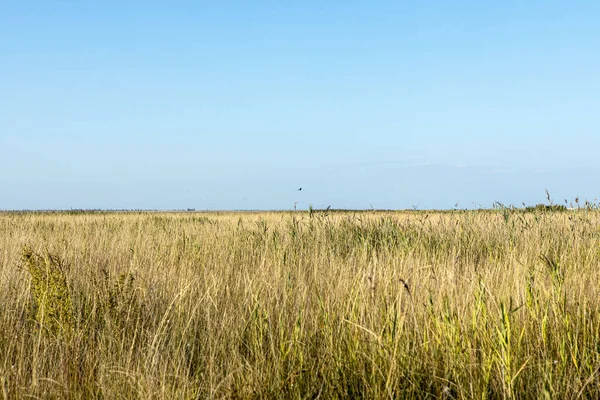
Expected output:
(458, 305)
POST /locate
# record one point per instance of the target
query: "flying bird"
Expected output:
(300, 189)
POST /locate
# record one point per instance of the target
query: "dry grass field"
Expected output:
(454, 305)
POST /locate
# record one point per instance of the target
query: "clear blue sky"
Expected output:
(235, 105)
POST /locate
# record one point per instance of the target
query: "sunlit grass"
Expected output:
(488, 304)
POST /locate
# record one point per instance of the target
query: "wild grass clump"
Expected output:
(487, 304)
(52, 308)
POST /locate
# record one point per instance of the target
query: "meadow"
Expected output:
(492, 304)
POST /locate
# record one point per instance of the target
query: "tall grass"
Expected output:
(492, 304)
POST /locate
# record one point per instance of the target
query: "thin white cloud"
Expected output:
(421, 163)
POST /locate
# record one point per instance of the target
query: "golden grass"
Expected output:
(494, 304)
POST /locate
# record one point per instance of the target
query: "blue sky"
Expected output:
(235, 105)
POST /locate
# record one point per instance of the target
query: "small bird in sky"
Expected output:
(300, 189)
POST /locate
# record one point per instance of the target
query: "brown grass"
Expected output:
(494, 304)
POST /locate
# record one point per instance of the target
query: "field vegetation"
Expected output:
(492, 304)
